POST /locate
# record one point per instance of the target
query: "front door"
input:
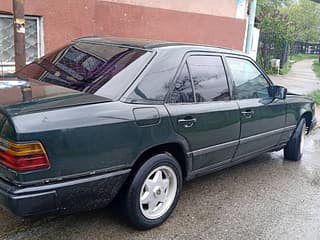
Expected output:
(201, 111)
(262, 116)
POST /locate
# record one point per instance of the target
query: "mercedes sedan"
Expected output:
(105, 117)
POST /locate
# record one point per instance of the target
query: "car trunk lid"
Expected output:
(23, 97)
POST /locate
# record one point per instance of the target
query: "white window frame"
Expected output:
(9, 66)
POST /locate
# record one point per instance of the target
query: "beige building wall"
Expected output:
(225, 8)
(214, 22)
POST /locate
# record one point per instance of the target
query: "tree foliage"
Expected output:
(274, 30)
(293, 20)
(305, 18)
(273, 19)
(281, 23)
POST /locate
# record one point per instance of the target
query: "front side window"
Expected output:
(248, 82)
(209, 78)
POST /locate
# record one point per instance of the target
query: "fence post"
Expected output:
(284, 55)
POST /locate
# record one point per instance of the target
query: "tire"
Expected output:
(153, 192)
(294, 149)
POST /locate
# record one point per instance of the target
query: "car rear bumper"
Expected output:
(69, 196)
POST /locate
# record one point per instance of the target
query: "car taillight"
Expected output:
(23, 156)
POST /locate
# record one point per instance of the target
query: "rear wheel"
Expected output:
(153, 192)
(294, 148)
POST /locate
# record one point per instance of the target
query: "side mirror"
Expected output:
(278, 92)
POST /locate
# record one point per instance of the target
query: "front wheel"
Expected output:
(153, 192)
(294, 148)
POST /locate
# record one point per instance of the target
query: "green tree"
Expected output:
(281, 23)
(304, 17)
(275, 30)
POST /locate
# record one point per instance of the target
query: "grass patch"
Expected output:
(285, 69)
(316, 68)
(315, 96)
(293, 59)
(299, 57)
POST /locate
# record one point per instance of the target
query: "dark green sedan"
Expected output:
(107, 117)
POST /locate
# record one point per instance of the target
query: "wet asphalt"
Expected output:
(264, 198)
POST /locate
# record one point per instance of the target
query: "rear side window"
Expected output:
(156, 80)
(209, 78)
(182, 89)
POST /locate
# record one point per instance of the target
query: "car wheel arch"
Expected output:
(307, 115)
(174, 149)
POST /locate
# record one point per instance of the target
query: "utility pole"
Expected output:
(19, 34)
(252, 16)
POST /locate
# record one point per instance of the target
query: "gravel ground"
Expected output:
(300, 79)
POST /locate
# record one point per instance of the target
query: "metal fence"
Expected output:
(271, 46)
(305, 48)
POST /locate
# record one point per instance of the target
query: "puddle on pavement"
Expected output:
(316, 143)
(310, 162)
(313, 141)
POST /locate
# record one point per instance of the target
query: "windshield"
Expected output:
(105, 70)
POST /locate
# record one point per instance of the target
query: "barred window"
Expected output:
(34, 43)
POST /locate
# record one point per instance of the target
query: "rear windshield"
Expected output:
(105, 70)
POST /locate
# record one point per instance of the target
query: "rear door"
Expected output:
(201, 110)
(262, 117)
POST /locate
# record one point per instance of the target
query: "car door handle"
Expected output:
(187, 122)
(247, 113)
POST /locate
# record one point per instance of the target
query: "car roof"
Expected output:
(149, 44)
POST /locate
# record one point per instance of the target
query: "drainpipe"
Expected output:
(252, 16)
(19, 33)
